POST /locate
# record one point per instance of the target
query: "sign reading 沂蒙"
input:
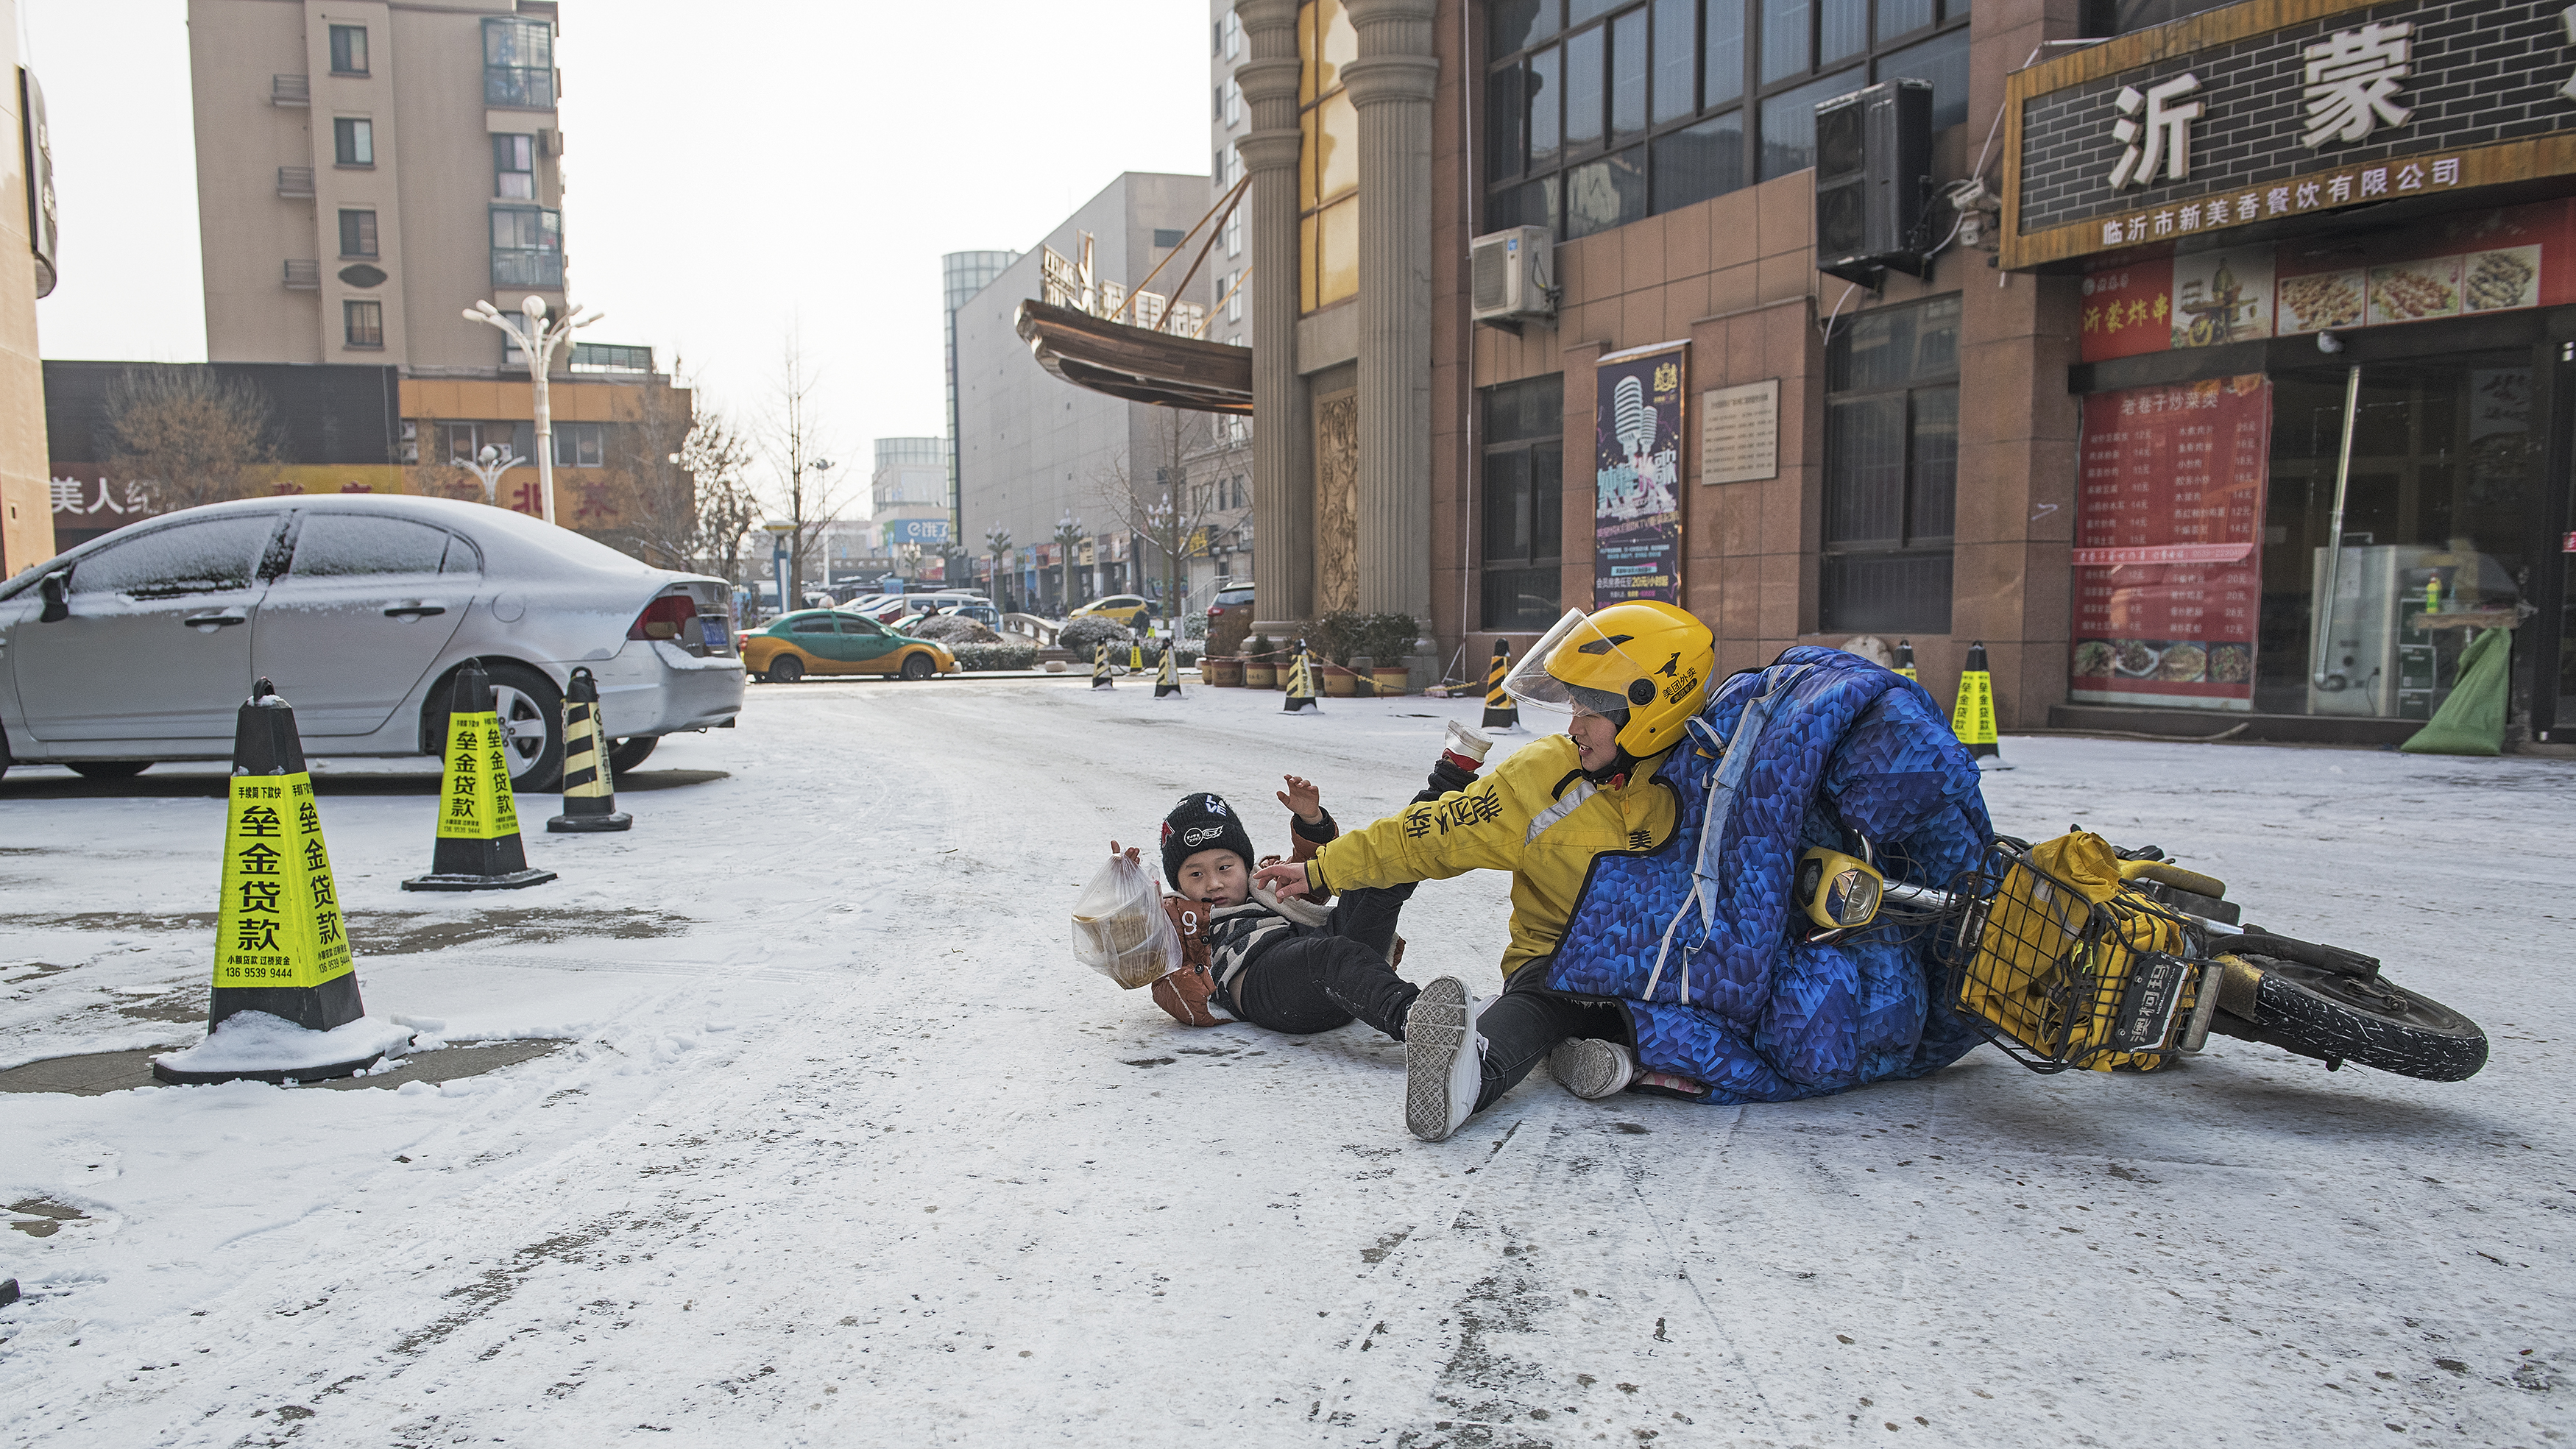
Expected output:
(2214, 122)
(279, 923)
(474, 797)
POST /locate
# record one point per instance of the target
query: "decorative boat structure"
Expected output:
(1140, 364)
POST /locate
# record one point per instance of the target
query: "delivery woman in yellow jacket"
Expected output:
(1631, 676)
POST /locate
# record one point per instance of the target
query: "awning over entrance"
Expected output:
(1138, 363)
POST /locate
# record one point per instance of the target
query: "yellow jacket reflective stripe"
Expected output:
(1532, 815)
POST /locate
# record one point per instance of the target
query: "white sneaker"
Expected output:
(1443, 1060)
(1460, 740)
(1592, 1069)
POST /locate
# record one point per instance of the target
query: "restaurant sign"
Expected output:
(2274, 110)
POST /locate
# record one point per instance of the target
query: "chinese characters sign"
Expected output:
(279, 923)
(2232, 117)
(1637, 466)
(2168, 540)
(474, 799)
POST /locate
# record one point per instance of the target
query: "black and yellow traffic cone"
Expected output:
(1905, 660)
(1301, 682)
(1167, 682)
(280, 944)
(1100, 667)
(1973, 718)
(1501, 713)
(589, 785)
(478, 846)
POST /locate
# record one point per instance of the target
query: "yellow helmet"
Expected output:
(1643, 660)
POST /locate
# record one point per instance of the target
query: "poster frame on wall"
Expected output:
(1640, 403)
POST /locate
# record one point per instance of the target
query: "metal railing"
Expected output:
(295, 181)
(304, 276)
(290, 90)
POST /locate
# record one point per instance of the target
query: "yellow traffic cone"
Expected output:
(478, 846)
(1301, 683)
(1100, 666)
(1501, 711)
(589, 785)
(1973, 718)
(280, 944)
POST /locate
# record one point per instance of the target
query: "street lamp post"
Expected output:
(778, 529)
(1068, 533)
(538, 340)
(489, 465)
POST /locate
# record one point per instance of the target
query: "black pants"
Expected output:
(1525, 1023)
(1316, 983)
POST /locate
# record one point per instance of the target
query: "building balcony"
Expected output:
(295, 181)
(304, 276)
(290, 90)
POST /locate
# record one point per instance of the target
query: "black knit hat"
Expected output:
(1202, 822)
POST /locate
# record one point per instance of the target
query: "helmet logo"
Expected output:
(1670, 665)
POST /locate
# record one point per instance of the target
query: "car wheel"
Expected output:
(108, 769)
(530, 707)
(786, 669)
(917, 665)
(626, 754)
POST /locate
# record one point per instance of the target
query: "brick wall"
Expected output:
(2479, 72)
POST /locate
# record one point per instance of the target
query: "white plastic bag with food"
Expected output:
(1119, 928)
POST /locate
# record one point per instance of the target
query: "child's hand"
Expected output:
(1303, 800)
(1131, 852)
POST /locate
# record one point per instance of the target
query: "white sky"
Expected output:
(732, 172)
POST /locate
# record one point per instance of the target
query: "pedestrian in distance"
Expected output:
(1630, 676)
(1296, 966)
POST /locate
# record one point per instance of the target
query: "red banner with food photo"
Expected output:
(2168, 544)
(2495, 260)
(2128, 309)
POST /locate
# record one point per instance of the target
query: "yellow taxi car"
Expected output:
(829, 641)
(1125, 609)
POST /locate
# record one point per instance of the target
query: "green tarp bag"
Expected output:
(2471, 721)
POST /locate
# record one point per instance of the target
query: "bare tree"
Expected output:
(1153, 501)
(690, 469)
(793, 448)
(188, 435)
(718, 458)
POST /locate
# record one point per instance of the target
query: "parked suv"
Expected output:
(139, 646)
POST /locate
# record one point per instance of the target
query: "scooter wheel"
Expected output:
(2337, 1018)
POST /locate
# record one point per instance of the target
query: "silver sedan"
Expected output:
(137, 647)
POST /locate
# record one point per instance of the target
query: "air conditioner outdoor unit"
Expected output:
(1512, 275)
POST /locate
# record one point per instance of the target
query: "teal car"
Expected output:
(832, 642)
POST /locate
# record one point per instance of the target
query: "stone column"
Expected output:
(1391, 83)
(1283, 502)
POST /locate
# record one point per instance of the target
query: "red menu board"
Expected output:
(2168, 540)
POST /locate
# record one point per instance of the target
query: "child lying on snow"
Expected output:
(1291, 966)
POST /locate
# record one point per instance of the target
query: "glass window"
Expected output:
(1902, 17)
(1606, 193)
(339, 545)
(362, 324)
(527, 247)
(1891, 469)
(205, 557)
(348, 50)
(518, 63)
(1676, 59)
(1784, 39)
(353, 141)
(514, 167)
(1722, 52)
(577, 445)
(1514, 24)
(1789, 123)
(1583, 65)
(357, 233)
(1842, 30)
(1698, 162)
(1578, 11)
(1544, 93)
(817, 624)
(1522, 496)
(1328, 161)
(1628, 77)
(1942, 60)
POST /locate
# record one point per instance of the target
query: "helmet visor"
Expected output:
(1601, 659)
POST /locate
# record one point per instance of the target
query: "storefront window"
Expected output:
(1891, 470)
(2436, 528)
(1523, 503)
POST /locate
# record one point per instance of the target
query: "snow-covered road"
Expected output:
(847, 1150)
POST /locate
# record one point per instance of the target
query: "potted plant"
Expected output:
(1340, 680)
(1260, 671)
(1387, 639)
(1222, 671)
